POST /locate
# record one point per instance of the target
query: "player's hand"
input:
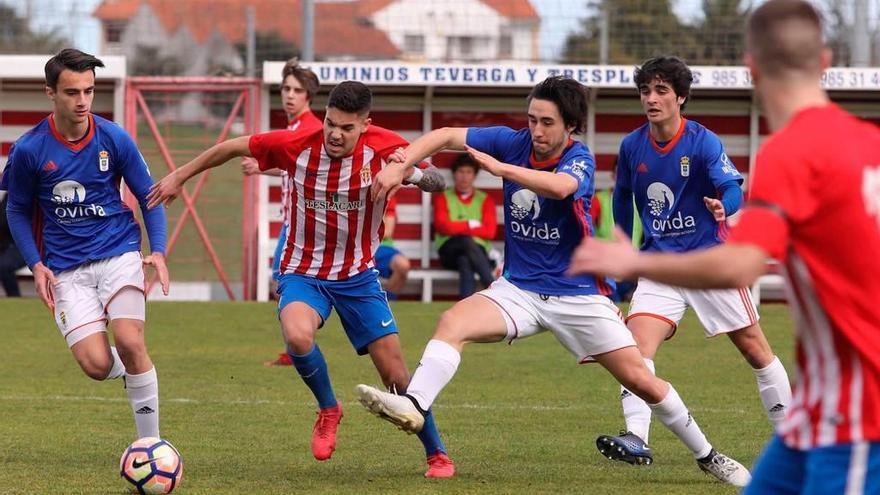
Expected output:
(250, 166)
(617, 259)
(165, 191)
(474, 224)
(398, 156)
(486, 161)
(44, 281)
(157, 261)
(716, 208)
(389, 180)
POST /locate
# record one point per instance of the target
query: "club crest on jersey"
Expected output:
(366, 176)
(685, 166)
(103, 161)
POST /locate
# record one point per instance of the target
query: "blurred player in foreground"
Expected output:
(814, 206)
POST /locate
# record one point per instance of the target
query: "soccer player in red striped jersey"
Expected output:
(815, 206)
(335, 229)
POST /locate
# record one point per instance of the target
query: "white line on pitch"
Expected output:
(257, 402)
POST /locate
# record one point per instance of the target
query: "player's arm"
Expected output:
(395, 173)
(22, 186)
(548, 184)
(137, 178)
(729, 201)
(250, 166)
(723, 266)
(167, 189)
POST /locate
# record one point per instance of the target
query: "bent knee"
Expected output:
(96, 370)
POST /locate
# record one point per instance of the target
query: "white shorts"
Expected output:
(82, 294)
(585, 325)
(719, 310)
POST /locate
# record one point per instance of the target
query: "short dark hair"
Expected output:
(306, 77)
(71, 59)
(570, 98)
(351, 97)
(785, 35)
(668, 69)
(465, 160)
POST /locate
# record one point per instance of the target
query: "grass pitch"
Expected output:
(516, 419)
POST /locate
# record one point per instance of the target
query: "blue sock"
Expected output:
(313, 369)
(430, 437)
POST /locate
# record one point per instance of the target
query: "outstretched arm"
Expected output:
(548, 184)
(723, 266)
(167, 189)
(446, 138)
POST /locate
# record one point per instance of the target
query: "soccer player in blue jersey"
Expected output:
(685, 188)
(86, 256)
(548, 186)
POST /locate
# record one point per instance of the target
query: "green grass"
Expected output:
(516, 419)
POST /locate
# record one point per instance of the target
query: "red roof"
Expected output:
(339, 28)
(512, 9)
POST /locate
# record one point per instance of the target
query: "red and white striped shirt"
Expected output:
(335, 228)
(307, 122)
(815, 206)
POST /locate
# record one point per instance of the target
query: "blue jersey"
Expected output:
(76, 186)
(669, 184)
(541, 234)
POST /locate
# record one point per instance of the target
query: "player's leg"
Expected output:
(780, 470)
(627, 366)
(490, 316)
(387, 356)
(120, 284)
(732, 311)
(302, 309)
(371, 328)
(400, 267)
(653, 317)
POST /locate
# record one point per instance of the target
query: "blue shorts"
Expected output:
(839, 469)
(360, 303)
(383, 259)
(276, 261)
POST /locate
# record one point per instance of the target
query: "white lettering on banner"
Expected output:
(523, 75)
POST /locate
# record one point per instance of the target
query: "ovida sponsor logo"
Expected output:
(69, 196)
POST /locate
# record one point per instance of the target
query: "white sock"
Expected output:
(118, 369)
(436, 369)
(143, 394)
(775, 390)
(672, 412)
(636, 412)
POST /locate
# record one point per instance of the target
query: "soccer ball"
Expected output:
(151, 466)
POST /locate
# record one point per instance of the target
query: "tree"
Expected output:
(721, 34)
(270, 46)
(638, 29)
(148, 62)
(17, 37)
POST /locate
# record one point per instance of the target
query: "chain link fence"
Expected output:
(202, 37)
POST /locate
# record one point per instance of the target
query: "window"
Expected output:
(113, 32)
(505, 46)
(414, 44)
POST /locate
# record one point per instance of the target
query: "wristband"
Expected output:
(416, 176)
